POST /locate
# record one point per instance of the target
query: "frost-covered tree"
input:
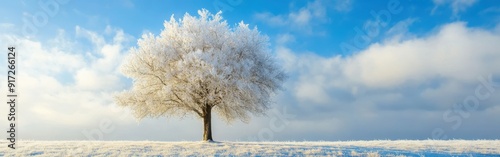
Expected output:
(198, 65)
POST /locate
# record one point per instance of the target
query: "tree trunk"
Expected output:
(207, 124)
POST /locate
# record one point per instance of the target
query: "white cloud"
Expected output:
(457, 6)
(492, 10)
(455, 52)
(407, 84)
(285, 38)
(401, 28)
(87, 79)
(343, 5)
(60, 87)
(309, 91)
(38, 60)
(95, 38)
(273, 20)
(301, 19)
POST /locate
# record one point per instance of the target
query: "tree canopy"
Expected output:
(199, 64)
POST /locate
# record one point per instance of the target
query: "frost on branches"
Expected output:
(198, 65)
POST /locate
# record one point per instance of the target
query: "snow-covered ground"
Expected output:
(345, 148)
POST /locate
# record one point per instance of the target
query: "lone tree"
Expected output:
(198, 65)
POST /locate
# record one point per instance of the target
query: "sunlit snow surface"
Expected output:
(345, 148)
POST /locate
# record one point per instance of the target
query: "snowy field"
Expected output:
(346, 148)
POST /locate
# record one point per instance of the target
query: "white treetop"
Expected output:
(197, 64)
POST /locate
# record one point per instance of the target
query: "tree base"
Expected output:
(209, 140)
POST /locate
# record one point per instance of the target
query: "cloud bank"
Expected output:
(398, 88)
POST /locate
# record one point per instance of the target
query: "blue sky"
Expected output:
(353, 75)
(324, 33)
